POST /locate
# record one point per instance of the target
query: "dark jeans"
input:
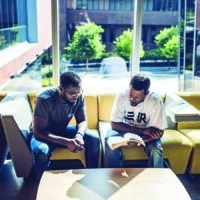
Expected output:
(43, 151)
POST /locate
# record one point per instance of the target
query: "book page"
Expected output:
(130, 136)
(119, 141)
(116, 141)
(134, 137)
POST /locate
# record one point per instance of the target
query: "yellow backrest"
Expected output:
(105, 104)
(3, 94)
(91, 111)
(163, 96)
(191, 97)
(91, 108)
(32, 98)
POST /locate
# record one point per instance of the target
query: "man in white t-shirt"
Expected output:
(139, 111)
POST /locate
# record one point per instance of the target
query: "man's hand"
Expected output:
(74, 145)
(151, 133)
(80, 141)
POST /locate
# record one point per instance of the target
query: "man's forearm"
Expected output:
(82, 127)
(49, 137)
(122, 127)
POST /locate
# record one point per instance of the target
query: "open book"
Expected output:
(115, 142)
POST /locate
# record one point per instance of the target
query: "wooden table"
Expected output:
(115, 184)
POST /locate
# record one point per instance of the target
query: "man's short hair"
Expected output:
(69, 78)
(140, 82)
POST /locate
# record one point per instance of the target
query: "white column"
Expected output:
(55, 41)
(137, 27)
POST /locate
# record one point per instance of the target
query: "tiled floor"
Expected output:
(14, 188)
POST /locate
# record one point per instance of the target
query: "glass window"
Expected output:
(113, 29)
(115, 17)
(13, 22)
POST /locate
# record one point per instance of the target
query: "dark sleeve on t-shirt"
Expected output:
(44, 104)
(42, 108)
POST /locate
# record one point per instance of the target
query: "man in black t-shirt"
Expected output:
(54, 108)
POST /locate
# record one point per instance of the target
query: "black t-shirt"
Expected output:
(49, 106)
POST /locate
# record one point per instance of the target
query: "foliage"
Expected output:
(10, 37)
(46, 58)
(123, 45)
(14, 34)
(153, 54)
(170, 49)
(2, 41)
(86, 43)
(188, 58)
(46, 72)
(167, 42)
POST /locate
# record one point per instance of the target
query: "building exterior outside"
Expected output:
(25, 32)
(115, 16)
(26, 29)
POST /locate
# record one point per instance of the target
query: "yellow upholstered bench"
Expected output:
(192, 131)
(180, 141)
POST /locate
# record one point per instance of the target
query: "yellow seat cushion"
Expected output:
(65, 154)
(176, 149)
(134, 153)
(61, 153)
(194, 137)
(188, 125)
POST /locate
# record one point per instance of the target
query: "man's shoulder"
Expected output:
(49, 93)
(153, 96)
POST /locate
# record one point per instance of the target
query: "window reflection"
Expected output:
(13, 22)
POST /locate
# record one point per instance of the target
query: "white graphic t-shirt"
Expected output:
(148, 113)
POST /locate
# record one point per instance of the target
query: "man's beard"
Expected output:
(133, 103)
(67, 101)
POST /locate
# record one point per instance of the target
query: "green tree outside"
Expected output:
(167, 42)
(170, 49)
(86, 43)
(123, 45)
